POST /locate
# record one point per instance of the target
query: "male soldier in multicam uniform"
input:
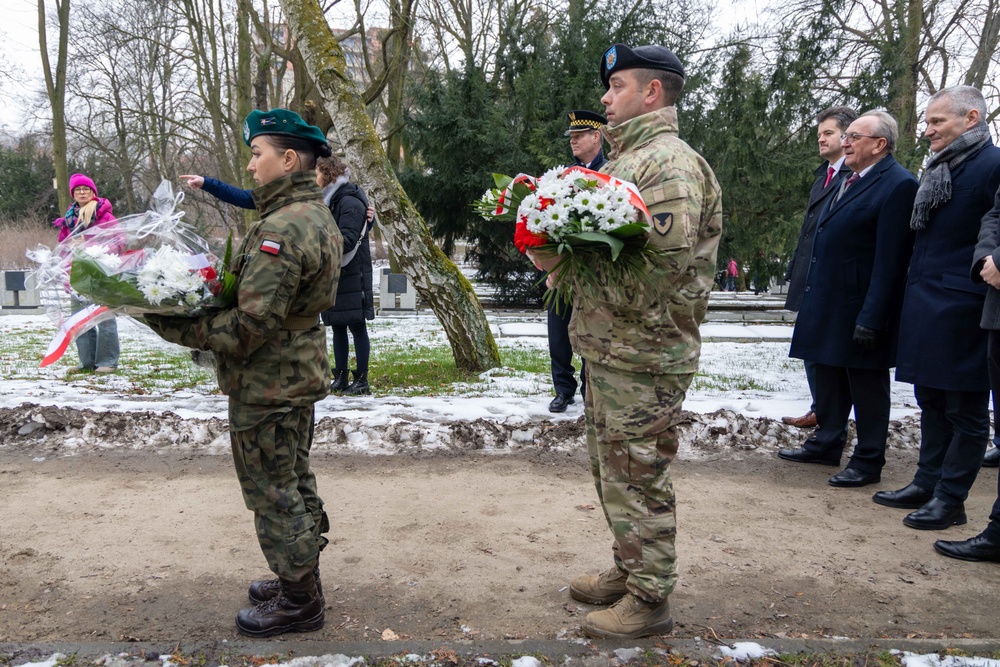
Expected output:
(272, 362)
(642, 343)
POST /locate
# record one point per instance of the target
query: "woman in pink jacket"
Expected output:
(98, 347)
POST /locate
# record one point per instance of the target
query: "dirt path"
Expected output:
(119, 546)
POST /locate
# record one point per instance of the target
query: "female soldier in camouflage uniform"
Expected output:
(272, 362)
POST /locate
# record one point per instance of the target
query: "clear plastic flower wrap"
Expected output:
(151, 262)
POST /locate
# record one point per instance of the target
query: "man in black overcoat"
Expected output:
(849, 316)
(833, 123)
(942, 349)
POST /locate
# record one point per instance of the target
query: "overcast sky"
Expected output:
(19, 35)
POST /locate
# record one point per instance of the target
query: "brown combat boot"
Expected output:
(263, 590)
(630, 618)
(298, 608)
(604, 588)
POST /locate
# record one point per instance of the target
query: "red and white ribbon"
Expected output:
(80, 321)
(504, 197)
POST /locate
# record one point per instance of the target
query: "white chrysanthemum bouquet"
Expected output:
(595, 225)
(146, 263)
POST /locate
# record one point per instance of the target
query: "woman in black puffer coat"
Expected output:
(355, 301)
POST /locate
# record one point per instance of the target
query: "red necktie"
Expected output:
(852, 180)
(829, 176)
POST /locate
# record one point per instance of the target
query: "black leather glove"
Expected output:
(865, 338)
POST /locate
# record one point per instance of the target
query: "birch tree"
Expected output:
(437, 280)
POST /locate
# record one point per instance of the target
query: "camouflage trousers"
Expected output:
(271, 453)
(631, 439)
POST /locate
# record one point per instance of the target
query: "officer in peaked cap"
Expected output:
(583, 121)
(621, 57)
(584, 134)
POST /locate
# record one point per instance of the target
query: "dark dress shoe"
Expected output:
(808, 420)
(852, 477)
(976, 549)
(560, 402)
(992, 458)
(910, 497)
(802, 455)
(936, 514)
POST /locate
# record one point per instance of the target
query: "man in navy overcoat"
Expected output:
(942, 349)
(833, 123)
(849, 317)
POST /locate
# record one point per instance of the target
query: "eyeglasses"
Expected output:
(81, 189)
(851, 137)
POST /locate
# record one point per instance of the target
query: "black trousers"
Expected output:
(992, 531)
(561, 353)
(838, 390)
(954, 433)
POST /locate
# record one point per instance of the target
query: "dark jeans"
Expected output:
(362, 345)
(954, 433)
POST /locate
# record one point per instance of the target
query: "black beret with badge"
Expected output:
(621, 57)
(280, 121)
(581, 120)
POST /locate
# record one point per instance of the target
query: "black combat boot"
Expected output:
(298, 608)
(360, 384)
(263, 590)
(340, 381)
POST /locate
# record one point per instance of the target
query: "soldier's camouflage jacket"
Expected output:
(652, 327)
(271, 349)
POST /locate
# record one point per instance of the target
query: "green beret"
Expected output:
(621, 57)
(581, 120)
(280, 121)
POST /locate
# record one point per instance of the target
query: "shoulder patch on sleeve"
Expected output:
(270, 247)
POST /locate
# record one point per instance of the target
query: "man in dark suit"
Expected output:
(942, 349)
(849, 316)
(833, 122)
(986, 545)
(585, 141)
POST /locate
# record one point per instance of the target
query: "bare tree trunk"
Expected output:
(55, 86)
(437, 280)
(904, 73)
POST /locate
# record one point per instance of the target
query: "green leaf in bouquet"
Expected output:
(502, 181)
(630, 230)
(228, 293)
(616, 245)
(90, 279)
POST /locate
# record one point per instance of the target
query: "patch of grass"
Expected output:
(414, 369)
(724, 382)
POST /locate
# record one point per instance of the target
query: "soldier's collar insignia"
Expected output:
(610, 57)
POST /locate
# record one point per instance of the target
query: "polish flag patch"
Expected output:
(270, 247)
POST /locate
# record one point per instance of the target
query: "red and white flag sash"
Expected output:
(73, 326)
(504, 199)
(634, 197)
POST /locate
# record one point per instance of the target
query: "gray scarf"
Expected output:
(935, 184)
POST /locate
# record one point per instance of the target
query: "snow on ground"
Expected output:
(755, 379)
(745, 385)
